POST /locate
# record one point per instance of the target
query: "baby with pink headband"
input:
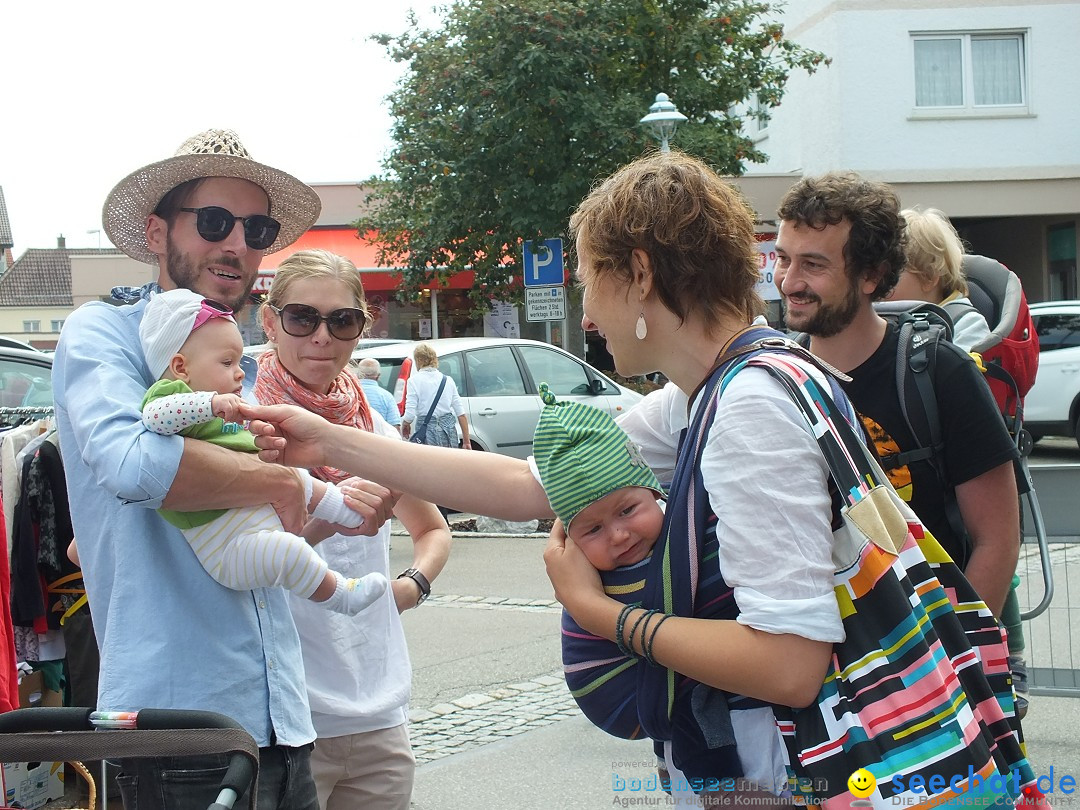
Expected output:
(193, 349)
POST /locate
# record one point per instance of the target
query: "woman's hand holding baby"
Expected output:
(577, 584)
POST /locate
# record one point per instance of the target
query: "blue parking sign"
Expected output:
(545, 267)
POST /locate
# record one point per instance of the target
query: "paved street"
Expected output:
(493, 725)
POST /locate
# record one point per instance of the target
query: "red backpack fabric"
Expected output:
(1013, 345)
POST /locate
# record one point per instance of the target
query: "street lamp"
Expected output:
(663, 119)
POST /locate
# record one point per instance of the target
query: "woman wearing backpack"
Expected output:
(432, 403)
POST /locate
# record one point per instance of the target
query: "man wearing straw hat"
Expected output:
(171, 637)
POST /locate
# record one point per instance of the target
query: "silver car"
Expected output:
(498, 380)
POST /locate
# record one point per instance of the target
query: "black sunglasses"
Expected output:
(215, 223)
(300, 320)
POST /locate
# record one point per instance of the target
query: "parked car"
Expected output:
(1052, 406)
(498, 379)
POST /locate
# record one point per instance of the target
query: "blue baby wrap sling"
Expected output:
(624, 695)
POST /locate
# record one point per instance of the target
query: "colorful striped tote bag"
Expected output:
(919, 694)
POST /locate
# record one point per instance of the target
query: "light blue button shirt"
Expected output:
(381, 401)
(170, 636)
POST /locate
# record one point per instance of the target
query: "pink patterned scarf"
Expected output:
(344, 404)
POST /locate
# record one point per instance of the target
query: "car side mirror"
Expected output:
(597, 386)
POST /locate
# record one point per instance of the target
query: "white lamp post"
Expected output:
(663, 119)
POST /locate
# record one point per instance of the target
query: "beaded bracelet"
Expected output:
(620, 623)
(646, 649)
(644, 629)
(633, 630)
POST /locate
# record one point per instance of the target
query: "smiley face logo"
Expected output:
(862, 783)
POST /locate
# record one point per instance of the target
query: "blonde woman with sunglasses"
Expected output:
(358, 670)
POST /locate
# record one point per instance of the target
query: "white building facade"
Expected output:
(970, 107)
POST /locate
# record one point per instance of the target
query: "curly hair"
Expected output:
(875, 246)
(697, 230)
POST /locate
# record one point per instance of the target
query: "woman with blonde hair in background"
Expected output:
(432, 403)
(358, 670)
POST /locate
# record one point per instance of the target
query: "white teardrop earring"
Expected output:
(641, 329)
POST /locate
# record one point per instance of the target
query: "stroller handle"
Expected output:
(243, 758)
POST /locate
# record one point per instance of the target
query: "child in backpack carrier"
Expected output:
(609, 501)
(934, 273)
(193, 347)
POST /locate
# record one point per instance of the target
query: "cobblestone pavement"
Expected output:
(484, 717)
(495, 603)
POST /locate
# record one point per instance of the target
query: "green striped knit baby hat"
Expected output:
(582, 455)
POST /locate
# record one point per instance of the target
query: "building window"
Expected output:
(31, 326)
(970, 72)
(57, 325)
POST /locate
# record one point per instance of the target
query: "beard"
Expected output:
(185, 274)
(828, 320)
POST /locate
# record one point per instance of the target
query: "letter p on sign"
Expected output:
(542, 263)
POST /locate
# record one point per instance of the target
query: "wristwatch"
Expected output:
(418, 577)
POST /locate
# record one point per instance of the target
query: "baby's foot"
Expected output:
(355, 593)
(332, 509)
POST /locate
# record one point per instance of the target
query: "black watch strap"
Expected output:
(418, 577)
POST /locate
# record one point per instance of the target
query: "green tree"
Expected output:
(510, 111)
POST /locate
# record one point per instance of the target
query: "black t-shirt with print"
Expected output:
(972, 430)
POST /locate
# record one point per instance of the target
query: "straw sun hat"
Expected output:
(214, 153)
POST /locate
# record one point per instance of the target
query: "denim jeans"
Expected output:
(192, 783)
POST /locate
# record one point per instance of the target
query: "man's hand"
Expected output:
(289, 435)
(291, 507)
(374, 502)
(227, 406)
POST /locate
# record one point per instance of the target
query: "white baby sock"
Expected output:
(332, 509)
(354, 594)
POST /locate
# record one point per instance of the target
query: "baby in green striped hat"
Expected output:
(597, 483)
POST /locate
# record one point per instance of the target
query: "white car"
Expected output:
(1052, 406)
(498, 378)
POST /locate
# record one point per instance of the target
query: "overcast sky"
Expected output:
(92, 91)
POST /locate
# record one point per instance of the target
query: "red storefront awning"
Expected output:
(346, 242)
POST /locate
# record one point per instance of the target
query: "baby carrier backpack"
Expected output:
(1010, 356)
